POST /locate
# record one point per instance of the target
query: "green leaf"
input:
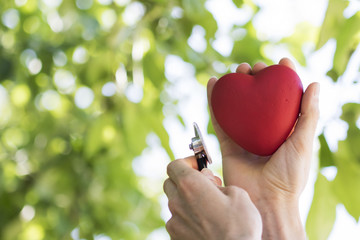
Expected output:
(161, 133)
(181, 120)
(101, 132)
(351, 114)
(322, 213)
(347, 184)
(248, 49)
(210, 127)
(347, 40)
(326, 157)
(347, 159)
(209, 24)
(135, 129)
(238, 3)
(153, 64)
(333, 21)
(194, 9)
(344, 31)
(304, 33)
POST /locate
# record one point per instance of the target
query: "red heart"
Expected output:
(258, 111)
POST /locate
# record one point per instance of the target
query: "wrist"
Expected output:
(281, 219)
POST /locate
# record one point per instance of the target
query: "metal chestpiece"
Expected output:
(198, 146)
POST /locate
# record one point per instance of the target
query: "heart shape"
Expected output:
(259, 111)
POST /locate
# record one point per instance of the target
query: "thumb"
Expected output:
(222, 136)
(305, 128)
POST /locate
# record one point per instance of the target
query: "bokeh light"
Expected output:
(109, 89)
(133, 13)
(80, 55)
(49, 100)
(11, 18)
(84, 4)
(64, 81)
(20, 95)
(60, 58)
(84, 97)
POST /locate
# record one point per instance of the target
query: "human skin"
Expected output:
(204, 210)
(274, 183)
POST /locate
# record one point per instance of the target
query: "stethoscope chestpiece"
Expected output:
(198, 146)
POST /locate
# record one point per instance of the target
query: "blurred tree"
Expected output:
(80, 87)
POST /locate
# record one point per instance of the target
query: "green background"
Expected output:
(65, 165)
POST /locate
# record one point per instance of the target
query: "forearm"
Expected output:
(281, 220)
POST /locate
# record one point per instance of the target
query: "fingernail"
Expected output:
(207, 172)
(218, 181)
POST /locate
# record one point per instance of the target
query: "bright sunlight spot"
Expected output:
(84, 96)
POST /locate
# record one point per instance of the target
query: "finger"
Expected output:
(287, 62)
(172, 227)
(191, 184)
(170, 188)
(244, 68)
(258, 67)
(191, 162)
(306, 126)
(179, 168)
(179, 229)
(227, 145)
(221, 135)
(210, 175)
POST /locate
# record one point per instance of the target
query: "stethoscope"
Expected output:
(198, 146)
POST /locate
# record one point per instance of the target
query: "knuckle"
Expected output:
(173, 206)
(171, 228)
(170, 167)
(232, 190)
(166, 183)
(237, 192)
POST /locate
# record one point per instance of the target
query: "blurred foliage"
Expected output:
(323, 210)
(82, 84)
(344, 30)
(343, 189)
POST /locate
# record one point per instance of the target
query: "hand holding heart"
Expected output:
(258, 111)
(273, 182)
